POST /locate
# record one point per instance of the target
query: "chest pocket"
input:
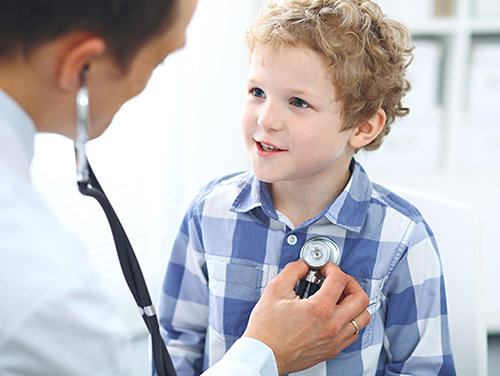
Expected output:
(373, 289)
(233, 292)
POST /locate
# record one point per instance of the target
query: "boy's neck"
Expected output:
(302, 201)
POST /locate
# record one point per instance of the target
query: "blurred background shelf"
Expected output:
(452, 147)
(450, 143)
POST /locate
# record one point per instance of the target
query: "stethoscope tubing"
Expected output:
(133, 275)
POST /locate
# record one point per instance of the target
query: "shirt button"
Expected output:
(292, 240)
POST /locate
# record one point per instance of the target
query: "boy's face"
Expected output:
(290, 119)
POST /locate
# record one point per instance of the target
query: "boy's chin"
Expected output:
(263, 179)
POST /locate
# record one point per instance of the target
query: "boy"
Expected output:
(326, 79)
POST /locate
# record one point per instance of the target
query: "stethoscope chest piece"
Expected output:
(317, 253)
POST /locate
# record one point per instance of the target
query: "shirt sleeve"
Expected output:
(55, 318)
(183, 305)
(72, 329)
(417, 340)
(247, 357)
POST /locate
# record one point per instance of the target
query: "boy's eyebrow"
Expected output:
(304, 92)
(307, 93)
(251, 80)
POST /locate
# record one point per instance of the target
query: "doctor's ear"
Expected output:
(368, 130)
(76, 59)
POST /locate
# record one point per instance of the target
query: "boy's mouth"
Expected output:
(267, 147)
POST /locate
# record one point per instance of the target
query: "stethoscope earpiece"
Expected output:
(82, 129)
(317, 253)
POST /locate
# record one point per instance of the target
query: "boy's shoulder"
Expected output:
(222, 191)
(234, 181)
(377, 199)
(387, 197)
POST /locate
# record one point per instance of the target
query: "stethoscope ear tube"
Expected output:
(133, 275)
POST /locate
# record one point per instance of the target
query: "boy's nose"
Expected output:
(270, 117)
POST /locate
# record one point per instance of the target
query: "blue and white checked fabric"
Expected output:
(232, 242)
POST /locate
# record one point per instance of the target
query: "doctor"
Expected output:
(54, 318)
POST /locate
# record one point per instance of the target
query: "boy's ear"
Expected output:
(75, 58)
(368, 131)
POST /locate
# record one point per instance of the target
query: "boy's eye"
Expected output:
(297, 102)
(258, 93)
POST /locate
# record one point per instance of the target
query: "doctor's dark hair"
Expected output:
(125, 25)
(366, 53)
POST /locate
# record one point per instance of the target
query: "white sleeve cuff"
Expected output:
(247, 357)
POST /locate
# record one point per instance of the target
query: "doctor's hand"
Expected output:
(304, 332)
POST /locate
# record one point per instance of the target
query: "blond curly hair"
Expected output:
(367, 53)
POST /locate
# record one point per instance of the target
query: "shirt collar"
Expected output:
(348, 210)
(254, 194)
(19, 131)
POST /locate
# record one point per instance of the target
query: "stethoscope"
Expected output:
(317, 253)
(89, 186)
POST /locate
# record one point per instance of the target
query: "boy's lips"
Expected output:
(266, 147)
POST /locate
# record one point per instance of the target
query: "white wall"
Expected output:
(212, 70)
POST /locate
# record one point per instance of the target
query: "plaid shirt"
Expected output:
(232, 242)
